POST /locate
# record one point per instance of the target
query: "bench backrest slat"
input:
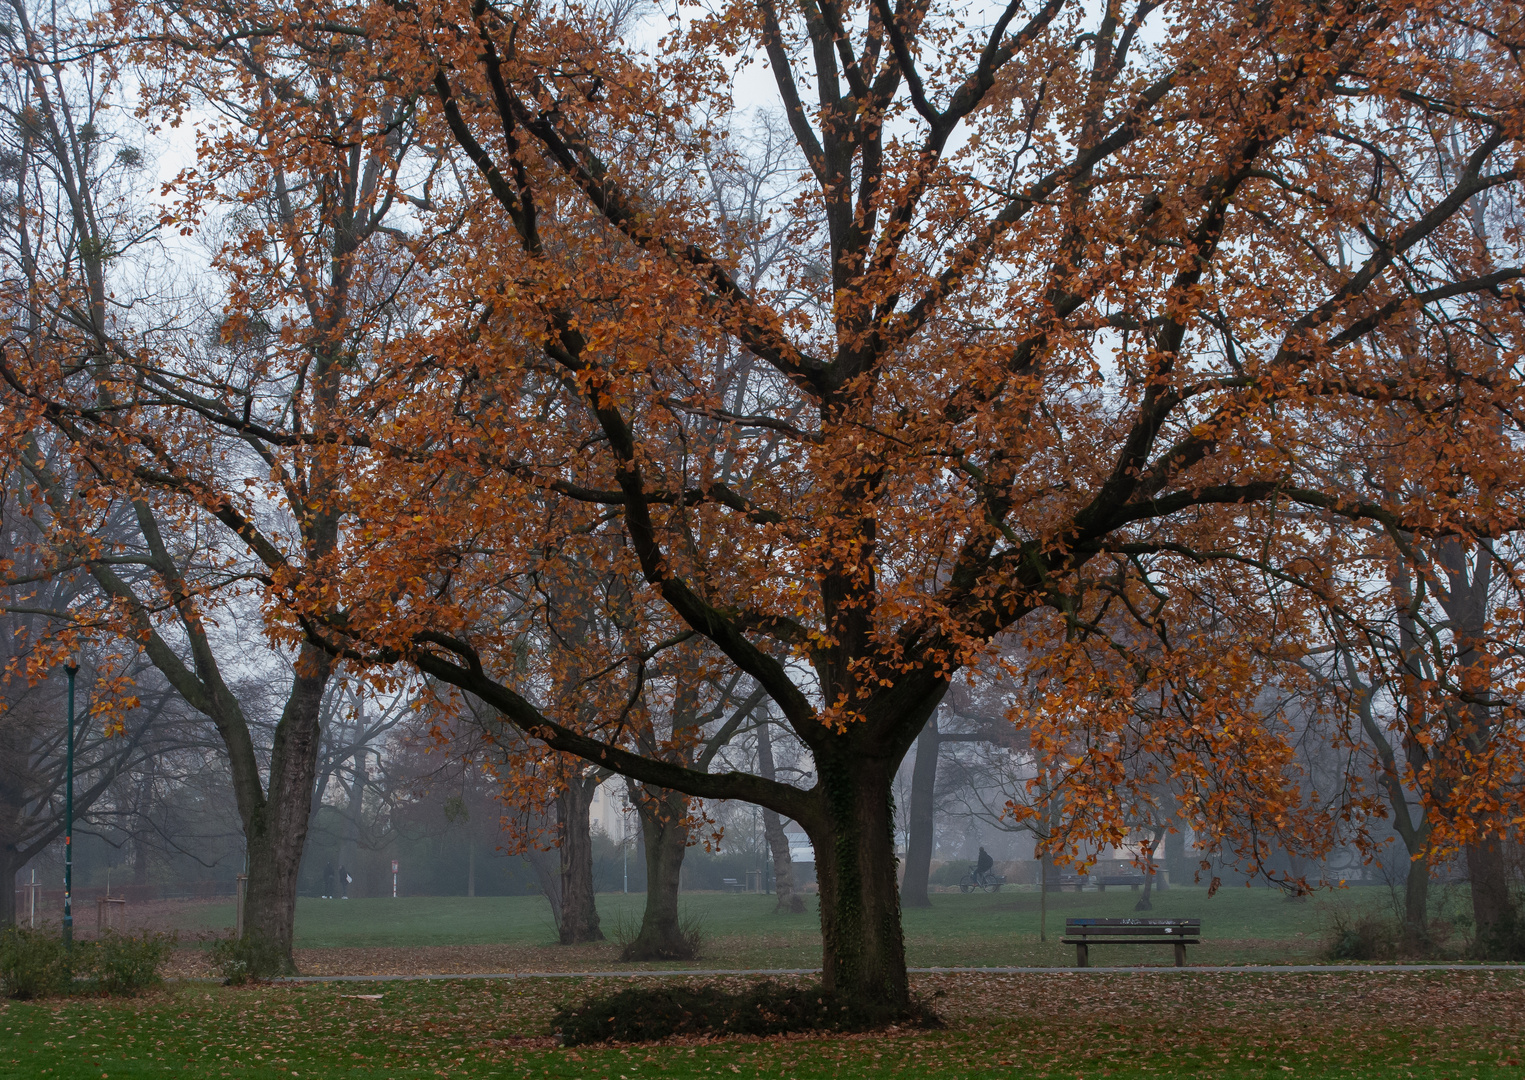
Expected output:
(1149, 928)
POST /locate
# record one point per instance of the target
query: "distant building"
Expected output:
(611, 811)
(801, 850)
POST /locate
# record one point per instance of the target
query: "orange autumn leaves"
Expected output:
(1109, 347)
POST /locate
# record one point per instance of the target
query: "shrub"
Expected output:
(950, 873)
(33, 963)
(1505, 940)
(251, 958)
(1363, 937)
(125, 964)
(648, 1013)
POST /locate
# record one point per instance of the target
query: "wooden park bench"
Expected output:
(1083, 933)
(1066, 881)
(732, 884)
(1103, 880)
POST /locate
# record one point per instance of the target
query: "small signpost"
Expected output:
(394, 879)
(34, 890)
(110, 913)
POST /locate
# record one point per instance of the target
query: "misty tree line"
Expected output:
(156, 801)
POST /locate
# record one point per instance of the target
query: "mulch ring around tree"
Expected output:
(635, 1014)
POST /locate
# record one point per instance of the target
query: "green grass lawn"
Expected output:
(1429, 1026)
(740, 930)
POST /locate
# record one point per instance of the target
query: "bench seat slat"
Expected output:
(1159, 940)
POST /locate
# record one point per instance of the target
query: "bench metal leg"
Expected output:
(1082, 956)
(1180, 954)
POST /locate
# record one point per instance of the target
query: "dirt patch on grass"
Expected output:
(194, 962)
(458, 959)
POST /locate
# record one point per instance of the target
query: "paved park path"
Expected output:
(1247, 969)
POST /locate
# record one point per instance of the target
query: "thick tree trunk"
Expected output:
(919, 834)
(579, 914)
(773, 831)
(9, 865)
(1490, 888)
(863, 952)
(662, 814)
(275, 830)
(789, 901)
(1416, 903)
(271, 892)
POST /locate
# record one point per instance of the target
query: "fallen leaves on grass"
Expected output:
(1060, 1023)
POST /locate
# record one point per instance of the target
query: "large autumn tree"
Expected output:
(1075, 296)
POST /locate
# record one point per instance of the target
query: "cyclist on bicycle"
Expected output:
(983, 866)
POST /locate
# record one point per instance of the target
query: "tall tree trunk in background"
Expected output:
(1145, 903)
(773, 831)
(579, 914)
(919, 830)
(17, 785)
(1486, 871)
(10, 864)
(1176, 864)
(471, 866)
(1466, 604)
(1416, 901)
(1175, 845)
(1412, 828)
(349, 846)
(140, 849)
(663, 813)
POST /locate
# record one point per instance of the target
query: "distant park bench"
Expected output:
(1067, 880)
(733, 885)
(1104, 880)
(1101, 881)
(1083, 933)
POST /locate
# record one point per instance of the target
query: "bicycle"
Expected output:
(975, 880)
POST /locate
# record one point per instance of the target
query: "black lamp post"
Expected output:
(72, 667)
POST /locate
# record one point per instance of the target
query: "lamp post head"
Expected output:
(72, 664)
